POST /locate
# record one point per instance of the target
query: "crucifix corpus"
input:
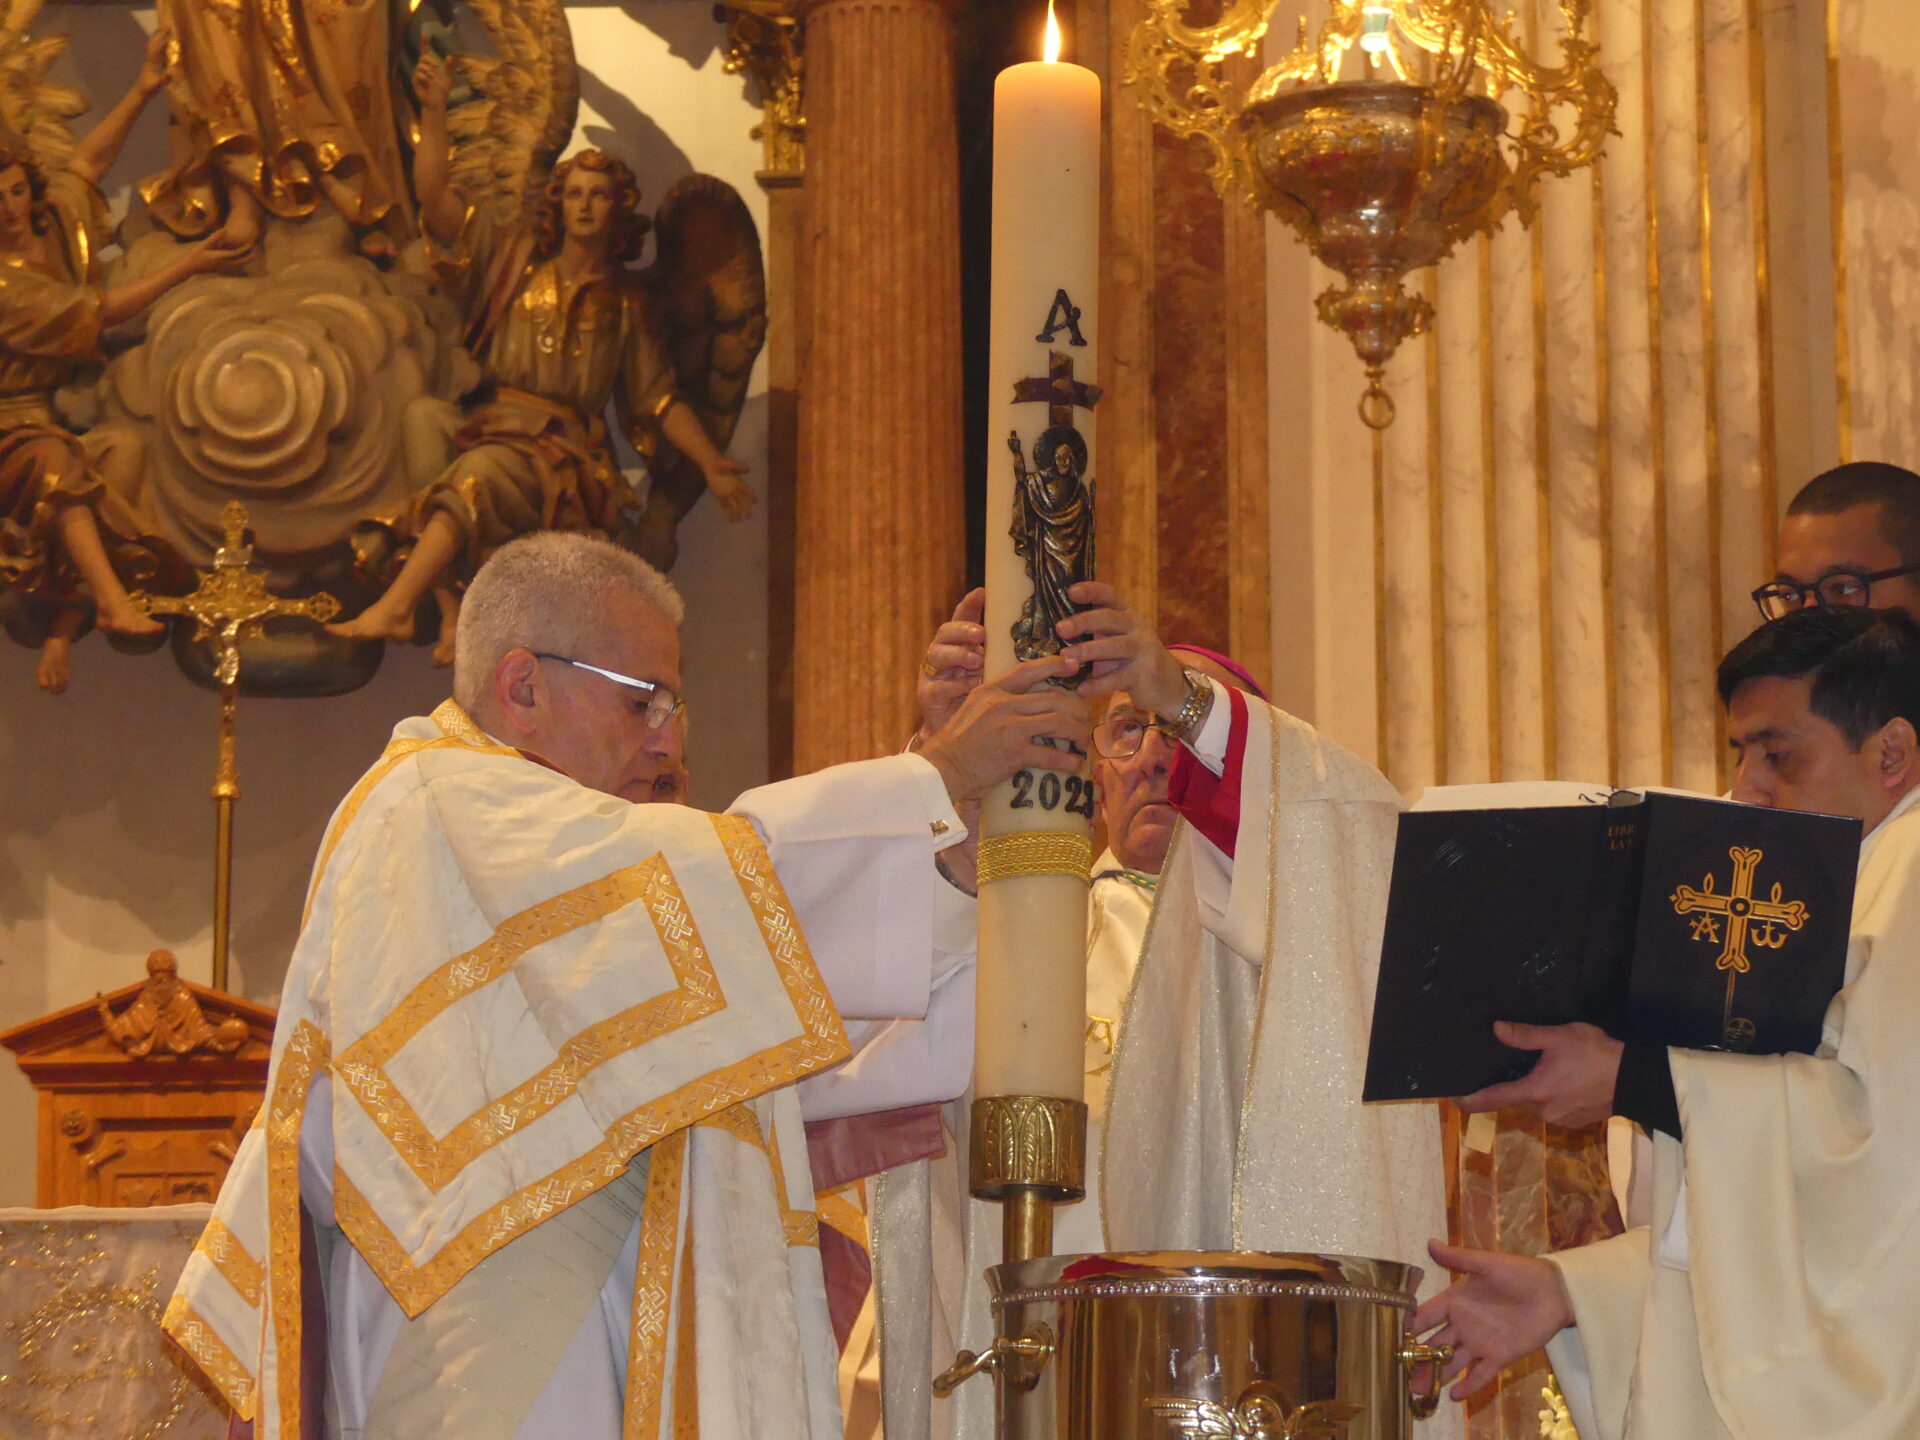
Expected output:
(230, 604)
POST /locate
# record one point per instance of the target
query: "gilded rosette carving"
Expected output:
(1033, 1141)
(317, 392)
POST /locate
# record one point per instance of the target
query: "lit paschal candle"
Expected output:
(1030, 1036)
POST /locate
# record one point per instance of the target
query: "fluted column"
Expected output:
(879, 542)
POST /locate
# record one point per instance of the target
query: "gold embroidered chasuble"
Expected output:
(513, 985)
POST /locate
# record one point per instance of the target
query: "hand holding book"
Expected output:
(1573, 1081)
(1659, 919)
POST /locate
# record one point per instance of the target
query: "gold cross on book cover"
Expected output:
(1765, 922)
(1570, 903)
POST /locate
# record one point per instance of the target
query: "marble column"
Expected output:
(879, 544)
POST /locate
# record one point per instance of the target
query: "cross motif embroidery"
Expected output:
(1763, 924)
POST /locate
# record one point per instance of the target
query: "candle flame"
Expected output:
(1052, 51)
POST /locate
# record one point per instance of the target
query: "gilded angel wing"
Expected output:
(1198, 1419)
(709, 288)
(524, 101)
(30, 108)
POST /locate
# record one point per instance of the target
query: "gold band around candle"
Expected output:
(1035, 852)
(1036, 1141)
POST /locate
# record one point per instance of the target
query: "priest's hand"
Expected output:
(1123, 650)
(1002, 727)
(1573, 1081)
(953, 666)
(1500, 1308)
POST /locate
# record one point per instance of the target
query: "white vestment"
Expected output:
(1776, 1294)
(521, 1008)
(1234, 1121)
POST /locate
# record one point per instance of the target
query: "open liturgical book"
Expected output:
(1656, 915)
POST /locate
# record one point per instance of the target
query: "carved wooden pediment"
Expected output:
(73, 1045)
(152, 1128)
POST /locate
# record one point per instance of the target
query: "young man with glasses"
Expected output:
(1776, 1290)
(1851, 537)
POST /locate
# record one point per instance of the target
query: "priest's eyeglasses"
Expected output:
(1831, 591)
(662, 703)
(1119, 737)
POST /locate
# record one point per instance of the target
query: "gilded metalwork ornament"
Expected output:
(1037, 1141)
(766, 41)
(231, 604)
(1261, 1413)
(1385, 169)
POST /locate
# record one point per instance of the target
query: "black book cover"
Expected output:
(1667, 918)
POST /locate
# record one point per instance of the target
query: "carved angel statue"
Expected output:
(280, 110)
(562, 326)
(57, 519)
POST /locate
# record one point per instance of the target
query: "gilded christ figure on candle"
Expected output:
(1052, 532)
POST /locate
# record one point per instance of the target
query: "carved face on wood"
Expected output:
(593, 199)
(20, 196)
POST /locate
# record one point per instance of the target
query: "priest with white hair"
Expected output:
(531, 1110)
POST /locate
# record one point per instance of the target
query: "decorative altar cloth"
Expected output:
(82, 1355)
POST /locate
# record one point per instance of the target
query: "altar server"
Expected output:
(1776, 1292)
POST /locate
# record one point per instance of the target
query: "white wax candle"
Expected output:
(1030, 1037)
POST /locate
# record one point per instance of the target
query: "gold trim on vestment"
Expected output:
(207, 1350)
(227, 1255)
(437, 1160)
(843, 1215)
(686, 1351)
(305, 1054)
(822, 1042)
(456, 724)
(802, 1227)
(457, 729)
(653, 1285)
(767, 898)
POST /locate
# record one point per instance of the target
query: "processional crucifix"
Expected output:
(1764, 923)
(231, 604)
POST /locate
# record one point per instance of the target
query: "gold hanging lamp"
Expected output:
(1402, 128)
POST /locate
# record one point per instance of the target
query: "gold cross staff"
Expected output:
(230, 604)
(1764, 923)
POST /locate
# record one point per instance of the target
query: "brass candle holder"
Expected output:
(1029, 1152)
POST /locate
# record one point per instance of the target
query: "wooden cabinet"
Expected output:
(128, 1129)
